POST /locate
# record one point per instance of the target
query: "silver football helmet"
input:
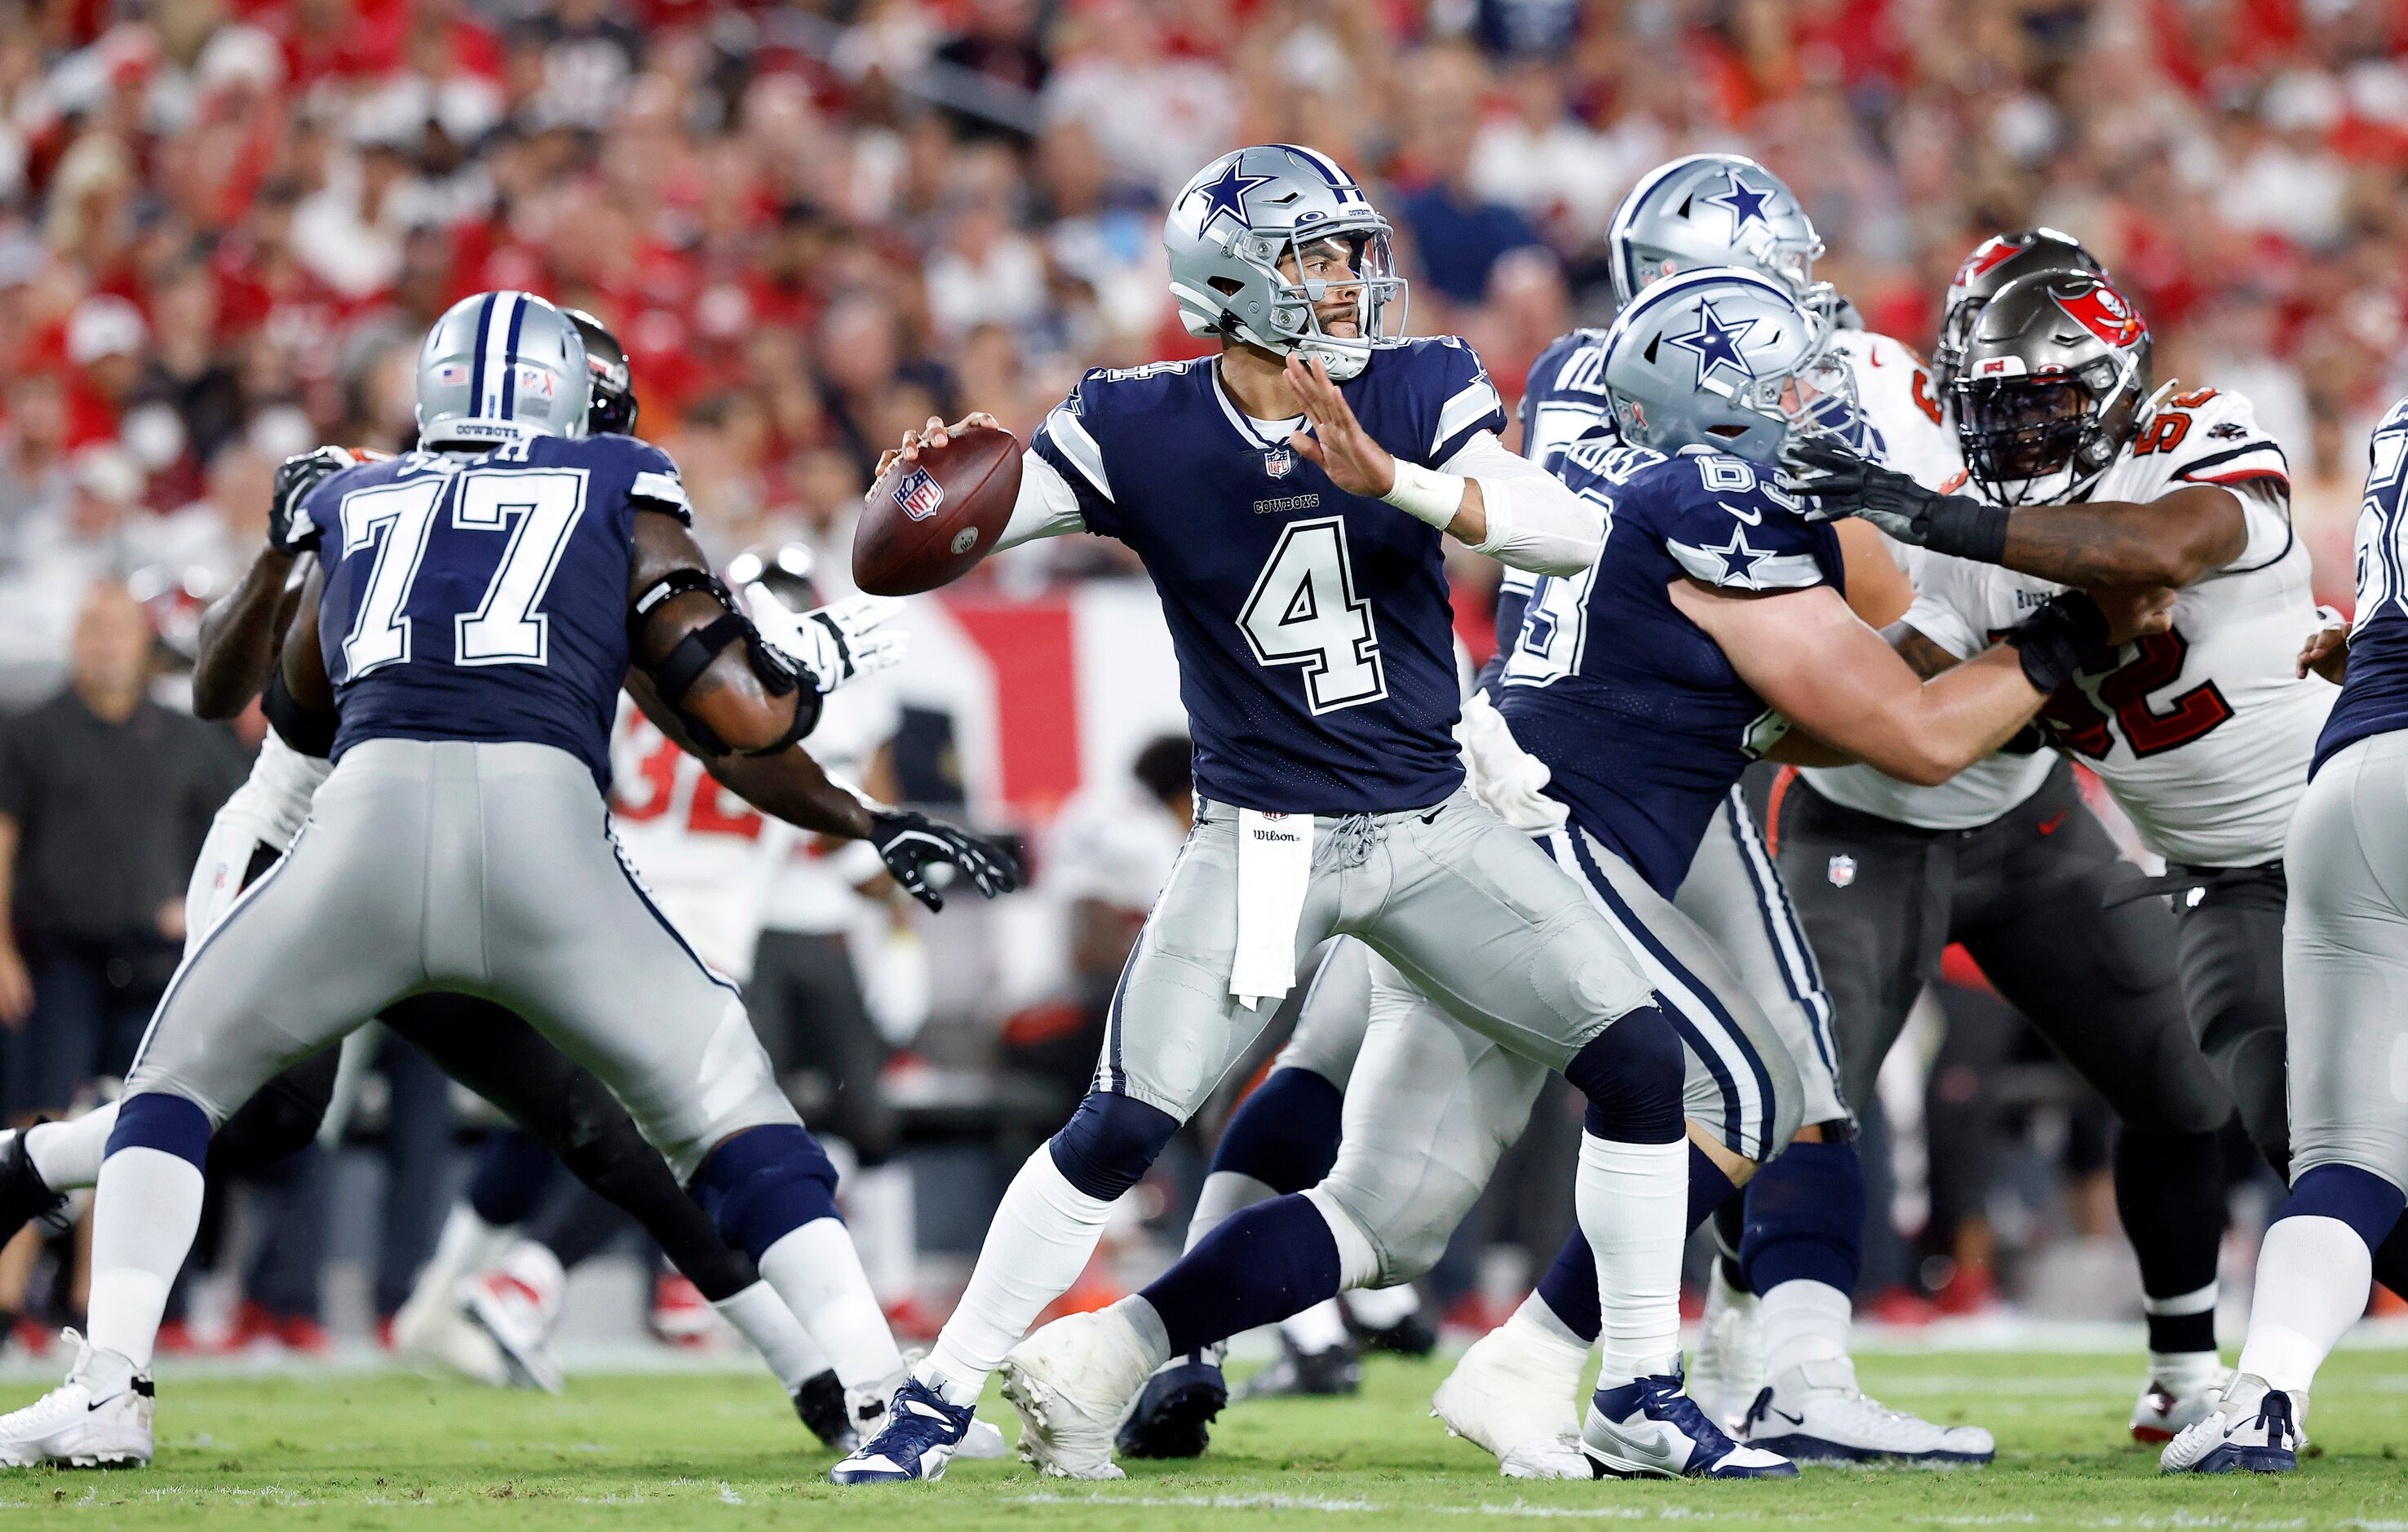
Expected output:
(1996, 262)
(1726, 359)
(501, 367)
(1715, 210)
(1239, 236)
(2056, 373)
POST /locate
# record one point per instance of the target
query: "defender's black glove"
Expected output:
(1845, 483)
(910, 843)
(289, 531)
(2058, 639)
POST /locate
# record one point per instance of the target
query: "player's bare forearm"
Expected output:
(237, 638)
(1922, 656)
(1878, 590)
(2168, 541)
(303, 662)
(789, 784)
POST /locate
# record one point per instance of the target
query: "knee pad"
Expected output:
(1805, 1219)
(766, 1182)
(168, 1123)
(1109, 1142)
(1284, 1135)
(1632, 1074)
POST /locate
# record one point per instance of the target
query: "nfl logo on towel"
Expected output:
(1843, 871)
(919, 494)
(1279, 462)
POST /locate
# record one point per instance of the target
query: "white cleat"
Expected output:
(1074, 1382)
(2177, 1398)
(517, 1303)
(1514, 1399)
(1815, 1414)
(1650, 1429)
(433, 1330)
(1727, 1371)
(2254, 1428)
(866, 1409)
(100, 1417)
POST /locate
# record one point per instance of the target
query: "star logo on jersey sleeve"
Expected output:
(1746, 204)
(1715, 341)
(1739, 558)
(1224, 197)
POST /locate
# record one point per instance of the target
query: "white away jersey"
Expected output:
(816, 886)
(705, 855)
(2204, 732)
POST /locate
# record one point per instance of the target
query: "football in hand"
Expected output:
(928, 522)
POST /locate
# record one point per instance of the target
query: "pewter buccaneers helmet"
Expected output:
(612, 411)
(1722, 358)
(1713, 211)
(501, 367)
(1230, 229)
(1996, 262)
(2055, 370)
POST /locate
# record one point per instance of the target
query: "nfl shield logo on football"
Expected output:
(1843, 871)
(1279, 462)
(919, 494)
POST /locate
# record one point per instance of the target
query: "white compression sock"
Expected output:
(1378, 1307)
(1633, 1206)
(67, 1155)
(1225, 1192)
(147, 1209)
(815, 1271)
(763, 1319)
(880, 1210)
(1803, 1321)
(1319, 1329)
(1537, 1324)
(2312, 1277)
(1042, 1237)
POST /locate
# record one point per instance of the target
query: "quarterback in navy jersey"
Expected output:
(1287, 497)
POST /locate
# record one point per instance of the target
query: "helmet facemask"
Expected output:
(1289, 261)
(2041, 440)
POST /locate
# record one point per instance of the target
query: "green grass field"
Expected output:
(721, 1451)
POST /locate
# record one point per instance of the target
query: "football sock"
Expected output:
(67, 1155)
(1224, 1193)
(769, 1327)
(1731, 1227)
(1805, 1219)
(511, 1174)
(1567, 1288)
(1319, 1329)
(1042, 1237)
(1804, 1320)
(816, 1273)
(2314, 1271)
(576, 1224)
(1381, 1308)
(1264, 1263)
(1632, 1199)
(143, 1222)
(1535, 1323)
(881, 1207)
(1710, 1190)
(2170, 1195)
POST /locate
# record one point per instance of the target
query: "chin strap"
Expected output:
(675, 673)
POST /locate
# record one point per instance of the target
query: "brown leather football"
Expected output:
(926, 523)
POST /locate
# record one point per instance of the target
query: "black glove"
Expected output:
(2058, 639)
(1846, 484)
(910, 842)
(289, 531)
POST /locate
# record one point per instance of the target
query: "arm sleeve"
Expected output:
(1076, 459)
(1535, 522)
(1048, 507)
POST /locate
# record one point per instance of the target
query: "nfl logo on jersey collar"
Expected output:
(1279, 462)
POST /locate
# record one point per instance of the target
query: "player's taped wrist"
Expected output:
(1427, 494)
(2056, 640)
(1966, 527)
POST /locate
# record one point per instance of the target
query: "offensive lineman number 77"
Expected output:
(539, 508)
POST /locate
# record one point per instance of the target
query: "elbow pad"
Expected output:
(675, 673)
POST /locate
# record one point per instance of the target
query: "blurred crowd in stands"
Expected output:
(225, 225)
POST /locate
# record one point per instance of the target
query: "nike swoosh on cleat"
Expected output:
(1794, 1420)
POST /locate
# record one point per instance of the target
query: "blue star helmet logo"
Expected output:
(1224, 197)
(1715, 341)
(1746, 203)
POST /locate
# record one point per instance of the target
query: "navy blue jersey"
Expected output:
(2374, 700)
(1642, 721)
(485, 597)
(1316, 641)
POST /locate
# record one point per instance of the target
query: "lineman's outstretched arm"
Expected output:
(238, 633)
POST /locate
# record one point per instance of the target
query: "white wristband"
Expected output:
(1425, 494)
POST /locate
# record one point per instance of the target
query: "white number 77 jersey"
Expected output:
(2203, 732)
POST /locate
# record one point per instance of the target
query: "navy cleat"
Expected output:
(1411, 1335)
(1173, 1416)
(921, 1436)
(2256, 1430)
(1650, 1429)
(1335, 1370)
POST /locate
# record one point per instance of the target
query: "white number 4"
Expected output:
(538, 507)
(1304, 611)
